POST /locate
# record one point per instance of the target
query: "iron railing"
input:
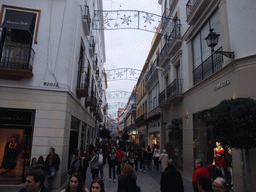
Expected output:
(140, 119)
(174, 88)
(208, 67)
(161, 97)
(17, 57)
(92, 45)
(152, 68)
(164, 52)
(83, 80)
(189, 8)
(87, 16)
(175, 32)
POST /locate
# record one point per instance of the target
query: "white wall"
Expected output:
(242, 27)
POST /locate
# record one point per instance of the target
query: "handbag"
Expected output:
(52, 172)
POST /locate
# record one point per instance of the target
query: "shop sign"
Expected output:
(220, 85)
(16, 117)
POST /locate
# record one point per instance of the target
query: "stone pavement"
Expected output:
(148, 182)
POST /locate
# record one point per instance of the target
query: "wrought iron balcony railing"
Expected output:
(17, 57)
(174, 88)
(175, 32)
(86, 20)
(208, 67)
(189, 8)
(95, 62)
(152, 68)
(92, 46)
(83, 82)
(161, 97)
(164, 52)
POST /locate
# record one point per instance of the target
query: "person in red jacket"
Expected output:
(200, 171)
(119, 157)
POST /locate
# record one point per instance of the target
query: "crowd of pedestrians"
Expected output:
(123, 160)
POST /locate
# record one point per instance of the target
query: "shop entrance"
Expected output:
(15, 145)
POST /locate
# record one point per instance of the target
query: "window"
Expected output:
(18, 25)
(200, 49)
(153, 97)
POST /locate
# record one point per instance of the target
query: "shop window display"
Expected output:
(216, 158)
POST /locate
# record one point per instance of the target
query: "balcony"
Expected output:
(82, 84)
(141, 120)
(95, 62)
(89, 100)
(194, 9)
(86, 20)
(208, 67)
(92, 46)
(172, 44)
(172, 94)
(161, 97)
(17, 62)
(152, 74)
(93, 107)
(174, 90)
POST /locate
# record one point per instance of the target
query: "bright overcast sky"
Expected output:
(127, 48)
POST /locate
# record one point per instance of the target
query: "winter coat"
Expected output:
(163, 160)
(171, 180)
(200, 171)
(120, 155)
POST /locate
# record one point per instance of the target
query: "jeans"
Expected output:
(101, 171)
(112, 168)
(156, 162)
(118, 168)
(95, 173)
(142, 164)
(50, 181)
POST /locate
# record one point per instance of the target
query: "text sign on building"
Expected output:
(16, 117)
(220, 85)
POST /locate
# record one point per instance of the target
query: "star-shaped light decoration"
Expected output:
(116, 25)
(119, 74)
(126, 20)
(148, 18)
(106, 20)
(135, 15)
(132, 72)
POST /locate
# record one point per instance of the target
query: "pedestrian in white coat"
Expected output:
(163, 159)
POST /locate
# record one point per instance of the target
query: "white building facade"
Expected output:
(52, 80)
(193, 79)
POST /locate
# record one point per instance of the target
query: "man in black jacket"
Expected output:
(171, 180)
(35, 182)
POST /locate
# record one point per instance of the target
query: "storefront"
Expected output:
(16, 131)
(154, 133)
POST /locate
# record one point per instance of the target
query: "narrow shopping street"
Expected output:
(148, 182)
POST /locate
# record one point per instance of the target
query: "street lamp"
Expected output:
(212, 40)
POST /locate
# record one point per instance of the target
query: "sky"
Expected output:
(127, 48)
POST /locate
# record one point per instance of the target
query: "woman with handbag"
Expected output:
(94, 164)
(163, 159)
(156, 156)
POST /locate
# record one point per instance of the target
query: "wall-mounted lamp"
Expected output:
(212, 40)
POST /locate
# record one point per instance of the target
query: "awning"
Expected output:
(19, 20)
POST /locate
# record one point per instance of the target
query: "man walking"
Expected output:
(120, 156)
(200, 171)
(101, 163)
(219, 185)
(171, 180)
(52, 163)
(34, 181)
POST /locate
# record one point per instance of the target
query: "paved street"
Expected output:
(148, 182)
